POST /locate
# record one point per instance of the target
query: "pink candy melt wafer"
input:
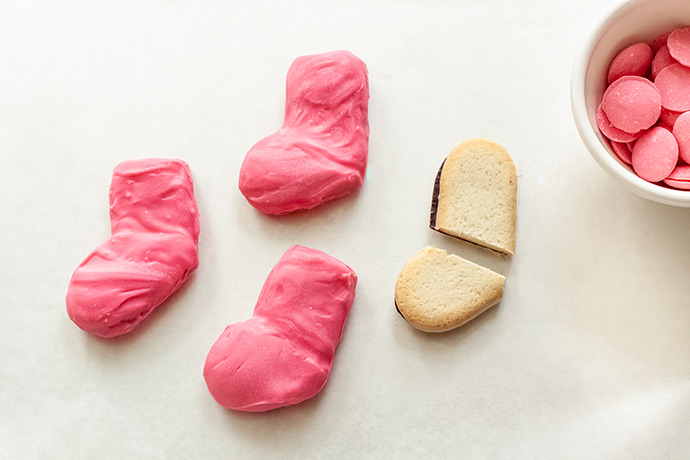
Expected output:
(679, 177)
(610, 131)
(622, 151)
(661, 60)
(673, 83)
(632, 104)
(666, 126)
(634, 60)
(659, 41)
(655, 155)
(669, 116)
(681, 131)
(679, 45)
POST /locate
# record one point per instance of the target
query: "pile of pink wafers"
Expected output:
(645, 110)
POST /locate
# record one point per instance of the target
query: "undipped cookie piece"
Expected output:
(437, 291)
(475, 196)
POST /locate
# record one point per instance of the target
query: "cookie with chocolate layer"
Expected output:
(475, 196)
(437, 291)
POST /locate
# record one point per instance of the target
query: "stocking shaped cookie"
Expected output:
(152, 250)
(320, 152)
(475, 196)
(283, 354)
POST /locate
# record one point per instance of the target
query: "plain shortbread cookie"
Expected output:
(475, 196)
(437, 291)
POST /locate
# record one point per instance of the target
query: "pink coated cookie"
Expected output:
(152, 250)
(320, 152)
(622, 151)
(673, 83)
(632, 104)
(679, 177)
(610, 131)
(681, 131)
(634, 60)
(655, 154)
(678, 43)
(283, 354)
(662, 59)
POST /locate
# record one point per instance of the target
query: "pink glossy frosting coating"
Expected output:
(320, 152)
(152, 250)
(283, 354)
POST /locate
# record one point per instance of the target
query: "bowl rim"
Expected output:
(590, 135)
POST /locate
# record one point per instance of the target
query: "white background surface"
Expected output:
(587, 356)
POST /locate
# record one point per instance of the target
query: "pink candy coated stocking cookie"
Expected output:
(283, 354)
(152, 250)
(320, 152)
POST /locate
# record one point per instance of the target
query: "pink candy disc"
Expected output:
(655, 154)
(622, 151)
(669, 116)
(659, 41)
(661, 60)
(633, 60)
(679, 45)
(666, 126)
(681, 131)
(679, 177)
(673, 83)
(610, 131)
(632, 104)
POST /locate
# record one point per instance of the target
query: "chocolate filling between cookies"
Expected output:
(434, 197)
(398, 310)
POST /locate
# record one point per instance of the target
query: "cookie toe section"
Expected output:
(252, 367)
(124, 279)
(280, 177)
(437, 291)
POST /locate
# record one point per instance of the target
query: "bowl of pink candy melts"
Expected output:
(630, 97)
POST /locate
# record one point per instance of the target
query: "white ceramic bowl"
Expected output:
(631, 22)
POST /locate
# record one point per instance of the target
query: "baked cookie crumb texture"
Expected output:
(475, 196)
(437, 291)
